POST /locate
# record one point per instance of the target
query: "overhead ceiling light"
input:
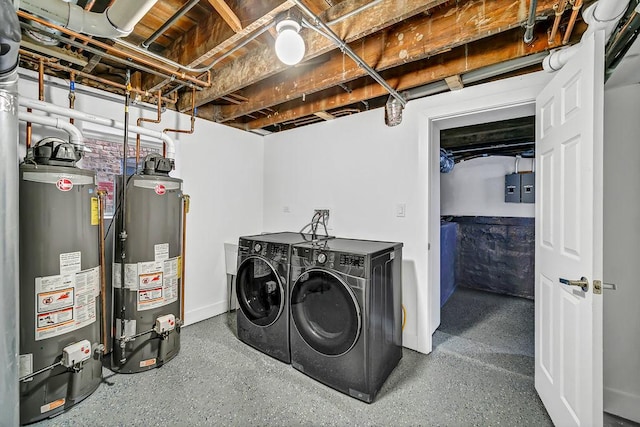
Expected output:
(289, 44)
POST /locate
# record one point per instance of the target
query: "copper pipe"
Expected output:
(41, 79)
(116, 85)
(29, 131)
(574, 14)
(559, 10)
(193, 118)
(185, 210)
(72, 93)
(142, 119)
(103, 272)
(115, 51)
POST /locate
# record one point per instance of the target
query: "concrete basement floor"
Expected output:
(471, 378)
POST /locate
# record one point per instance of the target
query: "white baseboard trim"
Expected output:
(204, 313)
(622, 404)
(410, 341)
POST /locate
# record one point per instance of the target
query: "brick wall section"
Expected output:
(105, 158)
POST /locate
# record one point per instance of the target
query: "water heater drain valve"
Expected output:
(165, 324)
(76, 353)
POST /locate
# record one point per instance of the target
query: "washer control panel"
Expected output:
(350, 260)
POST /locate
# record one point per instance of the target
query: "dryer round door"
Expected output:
(259, 290)
(325, 312)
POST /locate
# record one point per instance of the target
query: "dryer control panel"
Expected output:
(351, 260)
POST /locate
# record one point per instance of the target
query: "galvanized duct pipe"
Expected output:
(603, 15)
(79, 115)
(75, 136)
(9, 303)
(531, 22)
(117, 21)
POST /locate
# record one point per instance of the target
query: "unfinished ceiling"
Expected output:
(418, 47)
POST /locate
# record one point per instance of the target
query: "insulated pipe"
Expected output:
(331, 35)
(117, 21)
(603, 15)
(75, 136)
(531, 22)
(9, 223)
(79, 115)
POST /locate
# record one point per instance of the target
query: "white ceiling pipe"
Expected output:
(117, 21)
(603, 15)
(76, 114)
(75, 136)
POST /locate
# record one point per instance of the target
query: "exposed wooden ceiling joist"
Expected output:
(414, 39)
(227, 14)
(261, 62)
(460, 60)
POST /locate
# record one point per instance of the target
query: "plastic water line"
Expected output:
(75, 136)
(603, 15)
(79, 115)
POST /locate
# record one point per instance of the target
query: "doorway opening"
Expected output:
(487, 242)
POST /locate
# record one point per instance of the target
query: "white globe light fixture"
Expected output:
(289, 44)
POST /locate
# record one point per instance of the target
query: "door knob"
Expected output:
(582, 283)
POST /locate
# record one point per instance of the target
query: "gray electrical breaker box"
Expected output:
(512, 186)
(520, 188)
(527, 188)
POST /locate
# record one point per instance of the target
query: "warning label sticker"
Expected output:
(151, 280)
(66, 302)
(157, 282)
(55, 319)
(51, 406)
(50, 301)
(25, 365)
(130, 276)
(70, 262)
(161, 252)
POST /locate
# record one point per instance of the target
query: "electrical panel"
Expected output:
(520, 188)
(512, 188)
(527, 188)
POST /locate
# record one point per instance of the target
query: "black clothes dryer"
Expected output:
(262, 289)
(346, 313)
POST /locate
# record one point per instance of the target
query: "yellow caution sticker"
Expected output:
(51, 406)
(95, 211)
(179, 267)
(148, 362)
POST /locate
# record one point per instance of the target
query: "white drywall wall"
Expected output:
(362, 170)
(476, 188)
(222, 172)
(621, 250)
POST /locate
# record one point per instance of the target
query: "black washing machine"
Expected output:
(346, 313)
(262, 289)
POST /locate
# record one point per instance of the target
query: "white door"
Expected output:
(568, 319)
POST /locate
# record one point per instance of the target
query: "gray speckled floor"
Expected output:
(217, 380)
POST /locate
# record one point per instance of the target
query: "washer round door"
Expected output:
(325, 312)
(260, 291)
